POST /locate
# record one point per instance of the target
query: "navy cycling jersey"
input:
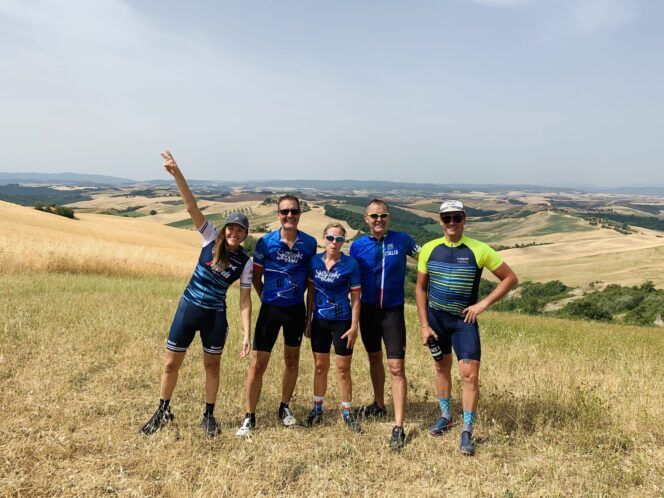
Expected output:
(208, 285)
(332, 286)
(284, 269)
(383, 267)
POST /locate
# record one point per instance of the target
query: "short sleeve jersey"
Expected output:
(208, 285)
(454, 271)
(284, 269)
(383, 267)
(332, 286)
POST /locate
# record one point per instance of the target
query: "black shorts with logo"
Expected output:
(271, 318)
(326, 332)
(188, 319)
(387, 324)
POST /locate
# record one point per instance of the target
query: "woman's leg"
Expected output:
(344, 377)
(172, 363)
(322, 363)
(211, 363)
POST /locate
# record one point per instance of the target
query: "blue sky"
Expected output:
(459, 91)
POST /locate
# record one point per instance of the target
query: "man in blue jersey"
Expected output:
(381, 256)
(281, 262)
(448, 280)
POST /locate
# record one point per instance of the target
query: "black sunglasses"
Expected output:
(284, 212)
(337, 239)
(446, 218)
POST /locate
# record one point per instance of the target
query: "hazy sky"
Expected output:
(459, 91)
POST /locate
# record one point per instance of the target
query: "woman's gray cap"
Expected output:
(451, 206)
(238, 219)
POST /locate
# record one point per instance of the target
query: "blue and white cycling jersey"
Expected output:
(383, 267)
(284, 269)
(332, 286)
(208, 285)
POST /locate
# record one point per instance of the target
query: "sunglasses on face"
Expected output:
(338, 239)
(446, 218)
(284, 212)
(375, 216)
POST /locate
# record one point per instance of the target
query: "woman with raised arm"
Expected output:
(332, 318)
(202, 306)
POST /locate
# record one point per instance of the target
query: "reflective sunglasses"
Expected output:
(284, 212)
(446, 218)
(337, 238)
(375, 216)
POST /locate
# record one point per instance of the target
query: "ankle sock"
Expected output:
(209, 409)
(163, 403)
(468, 421)
(345, 408)
(444, 404)
(318, 404)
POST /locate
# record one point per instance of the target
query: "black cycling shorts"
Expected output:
(326, 332)
(387, 324)
(271, 318)
(453, 331)
(188, 319)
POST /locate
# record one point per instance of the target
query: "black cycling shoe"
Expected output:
(314, 418)
(373, 411)
(209, 425)
(398, 439)
(351, 422)
(159, 419)
(467, 443)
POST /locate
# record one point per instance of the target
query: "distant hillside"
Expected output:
(63, 179)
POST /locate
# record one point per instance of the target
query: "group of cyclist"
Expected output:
(345, 294)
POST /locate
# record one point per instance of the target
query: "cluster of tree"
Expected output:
(245, 210)
(628, 219)
(531, 298)
(129, 211)
(55, 209)
(250, 244)
(29, 196)
(501, 247)
(637, 305)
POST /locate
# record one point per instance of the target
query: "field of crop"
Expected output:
(567, 408)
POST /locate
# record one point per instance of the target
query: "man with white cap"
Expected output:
(448, 278)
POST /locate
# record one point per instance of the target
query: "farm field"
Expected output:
(567, 407)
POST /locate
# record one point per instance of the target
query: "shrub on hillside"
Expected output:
(55, 209)
(250, 244)
(586, 310)
(534, 296)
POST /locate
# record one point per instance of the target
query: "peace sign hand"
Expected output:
(169, 163)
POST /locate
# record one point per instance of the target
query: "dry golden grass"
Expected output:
(99, 244)
(599, 255)
(567, 408)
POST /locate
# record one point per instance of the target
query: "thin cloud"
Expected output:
(595, 15)
(585, 16)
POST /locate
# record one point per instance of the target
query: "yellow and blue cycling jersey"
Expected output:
(284, 268)
(332, 286)
(454, 271)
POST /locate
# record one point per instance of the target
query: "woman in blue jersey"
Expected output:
(332, 318)
(202, 307)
